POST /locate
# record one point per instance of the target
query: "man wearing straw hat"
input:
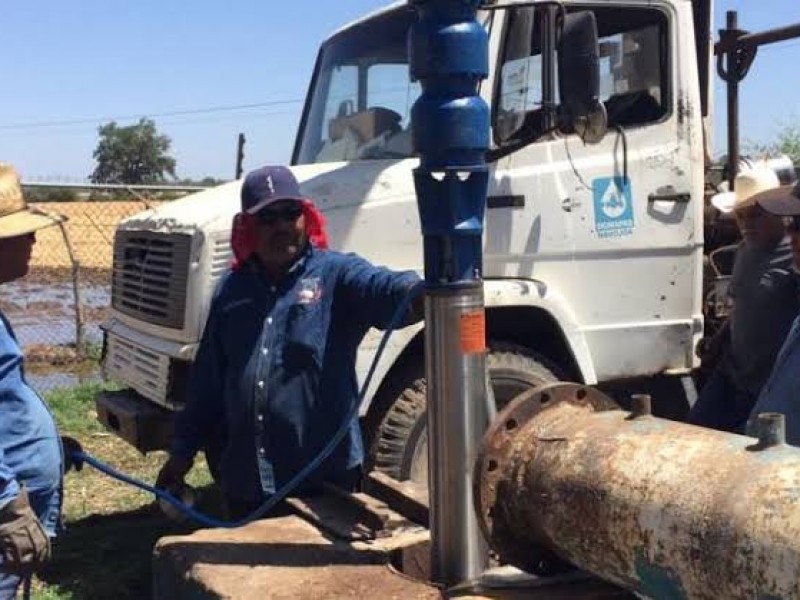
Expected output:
(764, 294)
(781, 393)
(31, 453)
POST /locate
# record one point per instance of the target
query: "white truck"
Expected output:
(593, 252)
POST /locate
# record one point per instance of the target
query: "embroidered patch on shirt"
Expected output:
(310, 290)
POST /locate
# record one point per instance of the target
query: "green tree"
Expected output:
(136, 154)
(54, 194)
(787, 142)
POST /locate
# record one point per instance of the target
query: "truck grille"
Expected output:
(145, 371)
(155, 376)
(220, 260)
(150, 276)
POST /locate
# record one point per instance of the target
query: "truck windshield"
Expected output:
(359, 107)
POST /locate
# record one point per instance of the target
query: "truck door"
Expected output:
(528, 230)
(615, 227)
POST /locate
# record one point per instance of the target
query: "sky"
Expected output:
(237, 66)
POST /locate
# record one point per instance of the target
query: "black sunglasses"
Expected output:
(794, 223)
(269, 217)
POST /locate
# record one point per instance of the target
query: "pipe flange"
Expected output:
(495, 457)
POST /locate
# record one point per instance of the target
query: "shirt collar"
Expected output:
(298, 266)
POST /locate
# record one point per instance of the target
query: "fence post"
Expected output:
(80, 346)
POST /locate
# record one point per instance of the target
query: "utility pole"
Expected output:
(239, 156)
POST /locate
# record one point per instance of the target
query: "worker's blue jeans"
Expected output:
(10, 584)
(721, 404)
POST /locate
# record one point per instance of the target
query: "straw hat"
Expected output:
(16, 218)
(749, 186)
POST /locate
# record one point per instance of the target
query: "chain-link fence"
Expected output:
(57, 309)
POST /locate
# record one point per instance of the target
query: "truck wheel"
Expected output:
(400, 447)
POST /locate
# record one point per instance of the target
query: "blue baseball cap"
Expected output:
(266, 185)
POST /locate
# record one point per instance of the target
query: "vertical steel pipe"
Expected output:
(457, 419)
(732, 87)
(448, 55)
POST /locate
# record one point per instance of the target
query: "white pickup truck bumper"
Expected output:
(155, 368)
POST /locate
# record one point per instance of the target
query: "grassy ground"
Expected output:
(110, 528)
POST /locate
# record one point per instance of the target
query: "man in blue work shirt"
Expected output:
(781, 393)
(276, 365)
(30, 452)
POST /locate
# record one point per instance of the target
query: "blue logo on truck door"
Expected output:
(613, 206)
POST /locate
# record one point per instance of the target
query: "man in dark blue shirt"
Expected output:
(276, 365)
(781, 393)
(764, 296)
(30, 451)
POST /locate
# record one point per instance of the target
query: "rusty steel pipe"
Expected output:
(661, 508)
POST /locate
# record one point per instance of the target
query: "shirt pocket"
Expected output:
(240, 336)
(304, 341)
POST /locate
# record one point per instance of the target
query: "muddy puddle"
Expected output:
(43, 317)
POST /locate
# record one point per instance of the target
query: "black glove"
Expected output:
(172, 473)
(24, 544)
(71, 446)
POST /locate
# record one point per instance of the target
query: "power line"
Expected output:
(175, 113)
(225, 119)
(163, 125)
(194, 111)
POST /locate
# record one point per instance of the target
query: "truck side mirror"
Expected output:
(579, 76)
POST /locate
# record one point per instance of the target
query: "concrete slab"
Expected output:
(276, 559)
(288, 558)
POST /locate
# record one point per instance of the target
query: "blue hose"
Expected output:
(270, 503)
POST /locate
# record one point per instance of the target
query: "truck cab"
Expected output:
(593, 245)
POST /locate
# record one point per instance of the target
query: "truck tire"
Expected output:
(400, 444)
